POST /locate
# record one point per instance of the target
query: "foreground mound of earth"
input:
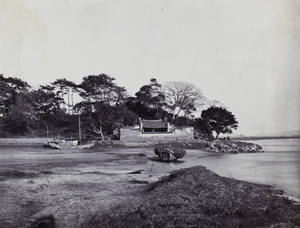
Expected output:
(197, 197)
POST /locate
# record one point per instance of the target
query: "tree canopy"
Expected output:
(216, 119)
(149, 101)
(101, 98)
(103, 107)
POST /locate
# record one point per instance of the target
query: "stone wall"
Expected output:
(135, 135)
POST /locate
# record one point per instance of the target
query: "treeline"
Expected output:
(102, 107)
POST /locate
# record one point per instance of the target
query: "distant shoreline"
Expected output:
(265, 137)
(41, 141)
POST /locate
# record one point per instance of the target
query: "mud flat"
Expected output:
(68, 184)
(122, 187)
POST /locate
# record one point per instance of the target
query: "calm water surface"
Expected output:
(279, 165)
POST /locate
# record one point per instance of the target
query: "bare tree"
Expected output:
(216, 103)
(182, 97)
(212, 103)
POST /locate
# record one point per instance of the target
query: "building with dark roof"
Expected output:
(153, 126)
(156, 130)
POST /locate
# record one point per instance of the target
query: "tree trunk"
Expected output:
(72, 102)
(101, 133)
(177, 112)
(173, 114)
(68, 102)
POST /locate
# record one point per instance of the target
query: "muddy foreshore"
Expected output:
(97, 188)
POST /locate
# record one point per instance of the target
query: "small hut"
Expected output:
(153, 126)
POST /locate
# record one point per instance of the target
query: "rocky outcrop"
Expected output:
(169, 153)
(232, 147)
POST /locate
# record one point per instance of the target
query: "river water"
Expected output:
(279, 165)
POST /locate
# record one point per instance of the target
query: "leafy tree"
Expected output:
(151, 94)
(203, 129)
(96, 117)
(14, 110)
(128, 118)
(104, 118)
(9, 89)
(45, 101)
(19, 119)
(182, 97)
(65, 87)
(46, 109)
(101, 88)
(183, 121)
(143, 111)
(217, 119)
(101, 97)
(150, 99)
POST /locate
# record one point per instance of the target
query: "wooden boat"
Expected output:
(61, 143)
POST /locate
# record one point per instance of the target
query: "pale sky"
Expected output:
(243, 53)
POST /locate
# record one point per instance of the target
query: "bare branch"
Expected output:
(179, 95)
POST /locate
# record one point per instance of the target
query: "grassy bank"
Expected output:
(197, 197)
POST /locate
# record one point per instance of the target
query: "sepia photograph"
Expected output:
(149, 113)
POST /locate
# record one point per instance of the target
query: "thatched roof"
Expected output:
(154, 124)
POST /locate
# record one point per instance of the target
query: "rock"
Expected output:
(169, 153)
(232, 147)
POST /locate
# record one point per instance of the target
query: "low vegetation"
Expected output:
(197, 197)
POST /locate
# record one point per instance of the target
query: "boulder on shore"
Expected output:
(233, 147)
(169, 153)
